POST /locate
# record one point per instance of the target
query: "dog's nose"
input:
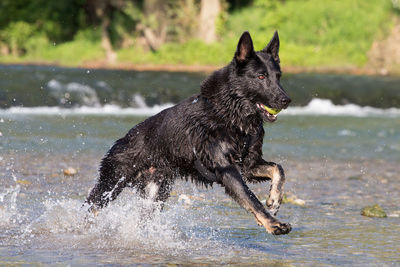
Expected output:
(286, 101)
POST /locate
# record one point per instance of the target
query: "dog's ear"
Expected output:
(273, 47)
(244, 48)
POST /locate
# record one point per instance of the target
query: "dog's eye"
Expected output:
(261, 77)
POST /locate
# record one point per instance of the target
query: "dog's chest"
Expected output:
(247, 146)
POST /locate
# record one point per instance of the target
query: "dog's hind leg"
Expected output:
(105, 191)
(275, 173)
(156, 191)
(159, 188)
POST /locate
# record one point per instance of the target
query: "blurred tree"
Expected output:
(154, 23)
(183, 16)
(23, 20)
(60, 20)
(123, 31)
(103, 11)
(15, 35)
(209, 12)
(267, 4)
(237, 4)
(120, 22)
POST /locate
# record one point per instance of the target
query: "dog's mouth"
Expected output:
(269, 114)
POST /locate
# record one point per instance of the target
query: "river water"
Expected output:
(339, 144)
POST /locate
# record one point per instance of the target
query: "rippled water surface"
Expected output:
(338, 158)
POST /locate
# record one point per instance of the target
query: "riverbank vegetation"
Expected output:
(314, 33)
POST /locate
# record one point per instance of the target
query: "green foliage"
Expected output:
(29, 26)
(193, 52)
(16, 35)
(313, 32)
(396, 6)
(123, 25)
(91, 34)
(222, 19)
(59, 20)
(36, 45)
(183, 19)
(71, 53)
(266, 4)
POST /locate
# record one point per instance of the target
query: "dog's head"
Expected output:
(258, 77)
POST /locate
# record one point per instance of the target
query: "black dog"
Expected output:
(212, 137)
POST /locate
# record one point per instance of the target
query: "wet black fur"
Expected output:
(215, 136)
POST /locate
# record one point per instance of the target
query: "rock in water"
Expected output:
(70, 171)
(373, 211)
(23, 182)
(292, 199)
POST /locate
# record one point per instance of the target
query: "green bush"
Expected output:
(36, 45)
(315, 32)
(73, 53)
(16, 35)
(89, 34)
(193, 52)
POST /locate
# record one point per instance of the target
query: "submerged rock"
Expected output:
(23, 182)
(70, 171)
(373, 211)
(292, 199)
(355, 177)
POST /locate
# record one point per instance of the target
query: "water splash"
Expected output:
(319, 106)
(315, 107)
(8, 205)
(129, 222)
(73, 93)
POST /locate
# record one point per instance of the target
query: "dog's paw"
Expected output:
(279, 228)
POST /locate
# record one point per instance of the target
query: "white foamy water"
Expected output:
(319, 106)
(128, 223)
(8, 205)
(316, 106)
(64, 92)
(85, 110)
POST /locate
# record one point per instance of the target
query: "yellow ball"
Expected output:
(272, 111)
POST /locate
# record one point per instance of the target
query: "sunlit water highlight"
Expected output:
(315, 107)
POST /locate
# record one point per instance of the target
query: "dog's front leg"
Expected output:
(274, 172)
(238, 190)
